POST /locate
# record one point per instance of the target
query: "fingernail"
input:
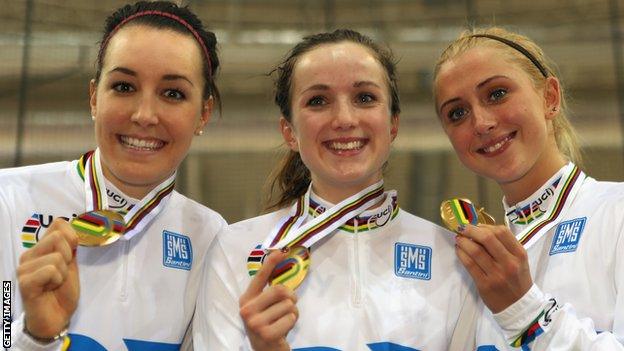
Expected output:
(74, 251)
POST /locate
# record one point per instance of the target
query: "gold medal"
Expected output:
(456, 212)
(292, 271)
(98, 228)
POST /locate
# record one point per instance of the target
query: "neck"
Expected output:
(136, 191)
(335, 194)
(520, 189)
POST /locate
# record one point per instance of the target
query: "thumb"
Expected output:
(261, 279)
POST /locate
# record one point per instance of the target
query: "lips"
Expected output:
(345, 145)
(142, 144)
(496, 146)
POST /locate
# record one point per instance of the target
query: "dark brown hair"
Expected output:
(291, 178)
(166, 15)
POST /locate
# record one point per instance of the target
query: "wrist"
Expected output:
(45, 340)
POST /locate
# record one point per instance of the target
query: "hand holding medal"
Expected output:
(484, 250)
(460, 212)
(269, 313)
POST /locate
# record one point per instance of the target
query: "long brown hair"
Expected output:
(290, 178)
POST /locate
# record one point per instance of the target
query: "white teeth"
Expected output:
(141, 144)
(497, 145)
(352, 145)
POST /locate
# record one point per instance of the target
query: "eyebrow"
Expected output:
(168, 77)
(365, 83)
(316, 87)
(357, 84)
(479, 86)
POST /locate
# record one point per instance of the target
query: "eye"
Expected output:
(457, 114)
(122, 87)
(174, 94)
(316, 101)
(365, 98)
(497, 94)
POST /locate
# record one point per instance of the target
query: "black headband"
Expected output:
(519, 48)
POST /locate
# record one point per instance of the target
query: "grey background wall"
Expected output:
(48, 47)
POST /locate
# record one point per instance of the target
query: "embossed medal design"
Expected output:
(292, 270)
(98, 228)
(456, 212)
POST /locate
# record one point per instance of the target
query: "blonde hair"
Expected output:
(524, 52)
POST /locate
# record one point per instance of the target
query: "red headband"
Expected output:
(163, 14)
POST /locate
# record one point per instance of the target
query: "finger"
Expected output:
(509, 240)
(471, 266)
(52, 259)
(477, 254)
(487, 237)
(279, 328)
(258, 305)
(261, 278)
(280, 301)
(60, 237)
(268, 318)
(68, 232)
(45, 278)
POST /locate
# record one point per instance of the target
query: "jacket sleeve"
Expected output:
(217, 324)
(538, 322)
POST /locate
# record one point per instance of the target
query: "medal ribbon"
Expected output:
(569, 186)
(290, 232)
(141, 214)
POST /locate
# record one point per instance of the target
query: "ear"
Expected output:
(93, 96)
(394, 126)
(288, 133)
(206, 114)
(552, 97)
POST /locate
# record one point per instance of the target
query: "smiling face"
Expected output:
(147, 105)
(341, 122)
(499, 123)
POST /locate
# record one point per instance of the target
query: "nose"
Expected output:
(484, 121)
(344, 115)
(145, 113)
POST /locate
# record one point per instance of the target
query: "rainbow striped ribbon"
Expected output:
(568, 187)
(290, 232)
(141, 214)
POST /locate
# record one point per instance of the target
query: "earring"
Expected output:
(554, 109)
(199, 132)
(92, 117)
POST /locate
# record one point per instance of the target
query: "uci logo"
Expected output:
(177, 251)
(380, 219)
(33, 225)
(118, 200)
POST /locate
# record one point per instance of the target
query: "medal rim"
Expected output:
(88, 240)
(452, 223)
(294, 282)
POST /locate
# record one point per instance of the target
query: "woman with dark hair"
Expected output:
(378, 277)
(133, 282)
(552, 278)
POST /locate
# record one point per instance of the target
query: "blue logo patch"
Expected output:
(177, 251)
(412, 261)
(567, 236)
